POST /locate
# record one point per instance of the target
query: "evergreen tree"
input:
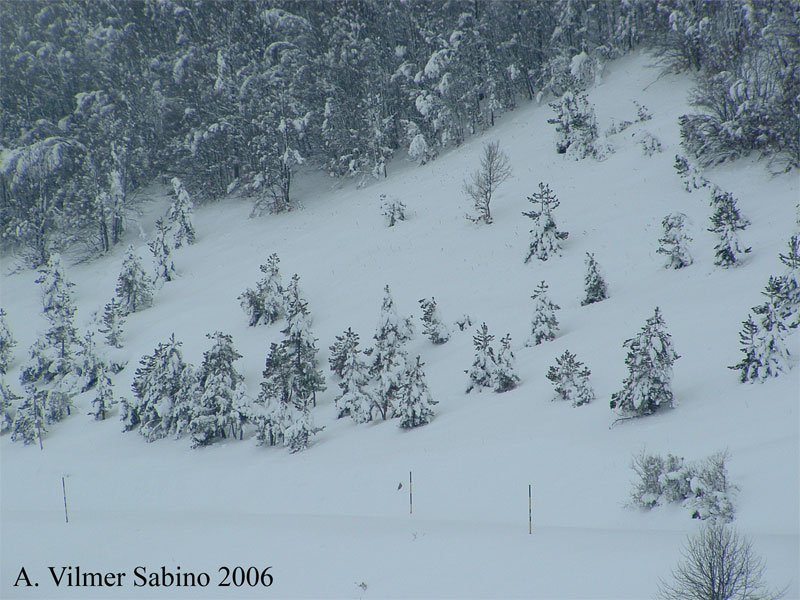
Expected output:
(300, 430)
(505, 376)
(134, 287)
(341, 350)
(392, 210)
(544, 325)
(570, 379)
(750, 365)
(414, 403)
(54, 283)
(648, 385)
(789, 295)
(180, 217)
(159, 247)
(162, 389)
(595, 285)
(89, 363)
(104, 394)
(265, 304)
(7, 343)
(764, 346)
(675, 243)
(726, 221)
(545, 237)
(390, 360)
(29, 424)
(8, 401)
(432, 325)
(576, 126)
(481, 374)
(221, 391)
(113, 320)
(355, 398)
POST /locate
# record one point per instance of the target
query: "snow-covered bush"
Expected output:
(392, 210)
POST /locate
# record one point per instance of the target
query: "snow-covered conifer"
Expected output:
(54, 283)
(481, 373)
(134, 287)
(300, 429)
(570, 379)
(113, 320)
(160, 388)
(341, 349)
(392, 210)
(88, 362)
(8, 401)
(750, 365)
(595, 285)
(265, 304)
(505, 376)
(415, 401)
(103, 395)
(545, 237)
(765, 345)
(544, 325)
(7, 343)
(390, 361)
(789, 295)
(725, 222)
(432, 325)
(356, 398)
(162, 259)
(221, 391)
(29, 424)
(648, 385)
(180, 216)
(675, 243)
(576, 125)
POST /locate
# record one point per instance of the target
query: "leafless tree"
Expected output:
(718, 564)
(481, 185)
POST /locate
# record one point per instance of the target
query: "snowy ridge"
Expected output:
(332, 517)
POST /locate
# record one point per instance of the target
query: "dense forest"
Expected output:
(101, 96)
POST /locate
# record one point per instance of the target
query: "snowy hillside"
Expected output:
(333, 520)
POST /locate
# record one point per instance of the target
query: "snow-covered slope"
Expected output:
(332, 518)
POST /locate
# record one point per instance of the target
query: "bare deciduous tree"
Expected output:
(718, 564)
(481, 185)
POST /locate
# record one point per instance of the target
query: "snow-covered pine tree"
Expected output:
(88, 362)
(771, 355)
(674, 244)
(162, 388)
(221, 390)
(53, 282)
(301, 348)
(790, 284)
(180, 216)
(265, 304)
(341, 350)
(355, 399)
(390, 360)
(7, 343)
(432, 325)
(134, 287)
(113, 320)
(595, 285)
(576, 125)
(29, 424)
(300, 429)
(270, 411)
(162, 259)
(103, 395)
(570, 379)
(392, 210)
(8, 402)
(648, 385)
(544, 325)
(750, 365)
(481, 373)
(725, 222)
(545, 237)
(415, 401)
(505, 376)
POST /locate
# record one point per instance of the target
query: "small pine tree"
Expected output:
(570, 379)
(415, 402)
(675, 243)
(389, 357)
(270, 411)
(355, 399)
(8, 401)
(89, 362)
(300, 429)
(725, 222)
(481, 374)
(432, 325)
(134, 287)
(505, 376)
(392, 210)
(595, 285)
(648, 385)
(750, 365)
(544, 325)
(341, 350)
(54, 283)
(576, 126)
(265, 304)
(221, 391)
(7, 343)
(545, 237)
(180, 216)
(789, 295)
(104, 395)
(162, 259)
(29, 425)
(113, 320)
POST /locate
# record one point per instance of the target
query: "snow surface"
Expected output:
(332, 518)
